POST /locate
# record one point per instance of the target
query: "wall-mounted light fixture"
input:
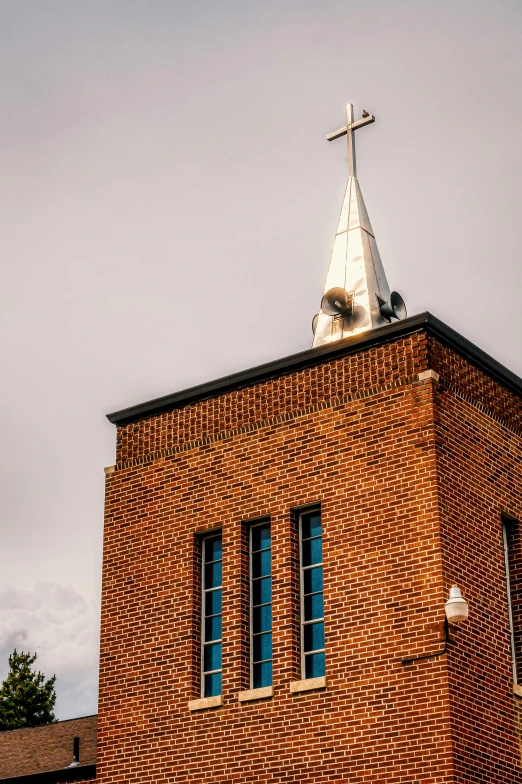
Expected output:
(456, 612)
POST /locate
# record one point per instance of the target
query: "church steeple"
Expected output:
(356, 294)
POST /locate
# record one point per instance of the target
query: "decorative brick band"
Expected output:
(305, 388)
(417, 357)
(254, 426)
(475, 387)
(503, 421)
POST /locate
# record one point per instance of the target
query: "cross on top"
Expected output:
(349, 130)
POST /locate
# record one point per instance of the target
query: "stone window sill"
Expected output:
(517, 689)
(206, 702)
(308, 685)
(256, 694)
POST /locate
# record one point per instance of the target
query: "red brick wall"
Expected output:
(474, 386)
(342, 379)
(358, 435)
(480, 476)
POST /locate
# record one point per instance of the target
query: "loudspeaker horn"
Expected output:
(314, 323)
(337, 302)
(394, 309)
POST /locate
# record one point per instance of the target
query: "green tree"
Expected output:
(26, 698)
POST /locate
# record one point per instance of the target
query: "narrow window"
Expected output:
(312, 608)
(260, 605)
(512, 565)
(211, 613)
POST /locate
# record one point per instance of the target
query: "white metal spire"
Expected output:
(356, 293)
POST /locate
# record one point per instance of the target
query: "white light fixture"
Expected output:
(456, 607)
(456, 612)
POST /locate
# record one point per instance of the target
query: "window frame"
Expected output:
(509, 521)
(302, 569)
(204, 591)
(257, 524)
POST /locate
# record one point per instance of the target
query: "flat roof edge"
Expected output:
(79, 773)
(315, 356)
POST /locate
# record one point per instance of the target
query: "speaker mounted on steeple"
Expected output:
(394, 309)
(338, 302)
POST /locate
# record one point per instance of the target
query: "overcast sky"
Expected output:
(168, 206)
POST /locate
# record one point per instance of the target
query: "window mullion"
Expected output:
(311, 595)
(260, 558)
(211, 615)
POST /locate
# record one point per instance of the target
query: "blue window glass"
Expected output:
(261, 591)
(315, 665)
(213, 549)
(212, 657)
(261, 675)
(260, 537)
(313, 580)
(212, 616)
(260, 605)
(212, 684)
(311, 525)
(213, 628)
(213, 602)
(313, 638)
(261, 618)
(312, 551)
(213, 575)
(262, 647)
(261, 563)
(312, 605)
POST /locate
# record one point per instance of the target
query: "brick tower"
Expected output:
(277, 542)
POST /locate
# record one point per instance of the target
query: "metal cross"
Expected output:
(349, 130)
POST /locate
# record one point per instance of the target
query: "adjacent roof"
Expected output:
(314, 356)
(49, 748)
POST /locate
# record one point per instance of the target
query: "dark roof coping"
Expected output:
(314, 356)
(79, 773)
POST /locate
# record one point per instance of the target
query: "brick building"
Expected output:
(407, 440)
(279, 541)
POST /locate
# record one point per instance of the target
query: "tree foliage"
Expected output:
(26, 697)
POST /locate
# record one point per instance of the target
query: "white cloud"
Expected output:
(62, 627)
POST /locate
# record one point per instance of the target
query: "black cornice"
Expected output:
(314, 356)
(79, 773)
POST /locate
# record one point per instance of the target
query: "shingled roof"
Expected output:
(34, 751)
